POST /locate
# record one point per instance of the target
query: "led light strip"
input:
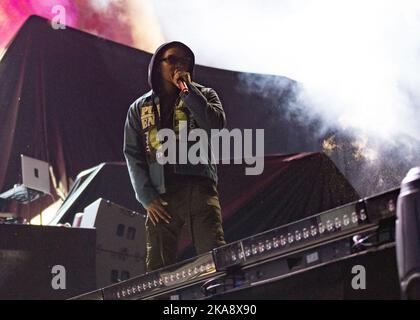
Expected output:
(295, 234)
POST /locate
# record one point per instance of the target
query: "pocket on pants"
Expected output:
(213, 201)
(209, 195)
(209, 189)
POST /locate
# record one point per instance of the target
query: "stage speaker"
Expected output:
(40, 262)
(408, 235)
(120, 241)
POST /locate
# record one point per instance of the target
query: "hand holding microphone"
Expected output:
(182, 86)
(181, 78)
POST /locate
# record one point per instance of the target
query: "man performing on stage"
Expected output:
(173, 194)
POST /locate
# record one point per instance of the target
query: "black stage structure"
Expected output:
(64, 95)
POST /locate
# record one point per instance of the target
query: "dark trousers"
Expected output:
(195, 202)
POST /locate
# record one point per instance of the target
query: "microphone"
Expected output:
(182, 86)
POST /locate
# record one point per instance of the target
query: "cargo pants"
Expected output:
(191, 201)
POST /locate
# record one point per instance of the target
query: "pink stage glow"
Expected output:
(13, 14)
(115, 20)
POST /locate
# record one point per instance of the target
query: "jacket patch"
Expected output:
(147, 117)
(153, 139)
(179, 115)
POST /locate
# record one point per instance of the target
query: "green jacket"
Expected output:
(201, 108)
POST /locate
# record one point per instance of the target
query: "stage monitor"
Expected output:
(108, 180)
